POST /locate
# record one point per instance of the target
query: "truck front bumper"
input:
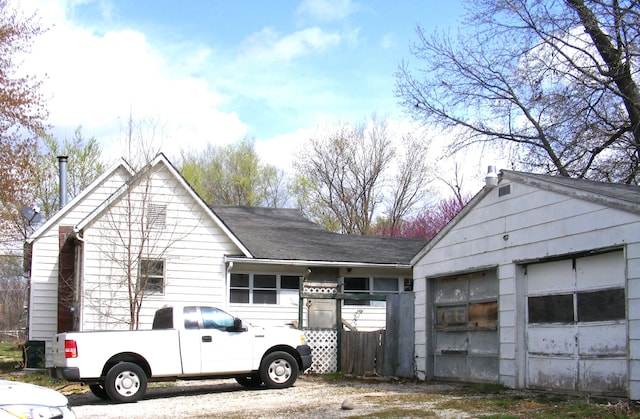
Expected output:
(65, 373)
(305, 356)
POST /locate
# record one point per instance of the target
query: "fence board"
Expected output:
(360, 352)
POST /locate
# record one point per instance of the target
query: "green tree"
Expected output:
(84, 166)
(554, 81)
(234, 175)
(22, 120)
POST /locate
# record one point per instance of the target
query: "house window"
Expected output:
(264, 289)
(254, 288)
(371, 286)
(592, 306)
(151, 275)
(239, 288)
(157, 216)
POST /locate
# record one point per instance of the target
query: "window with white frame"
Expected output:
(373, 285)
(257, 288)
(151, 276)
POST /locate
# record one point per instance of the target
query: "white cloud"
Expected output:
(327, 10)
(99, 80)
(267, 46)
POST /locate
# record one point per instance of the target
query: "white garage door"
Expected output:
(576, 325)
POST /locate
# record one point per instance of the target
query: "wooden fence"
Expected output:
(362, 352)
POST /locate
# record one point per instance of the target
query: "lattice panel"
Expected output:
(324, 347)
(319, 290)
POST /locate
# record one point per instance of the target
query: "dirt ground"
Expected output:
(315, 397)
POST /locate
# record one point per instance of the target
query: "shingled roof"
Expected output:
(285, 234)
(617, 195)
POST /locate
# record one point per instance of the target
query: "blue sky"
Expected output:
(217, 71)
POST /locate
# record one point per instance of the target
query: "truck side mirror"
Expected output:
(237, 326)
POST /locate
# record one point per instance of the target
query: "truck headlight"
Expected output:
(26, 411)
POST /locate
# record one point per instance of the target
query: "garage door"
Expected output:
(576, 332)
(466, 344)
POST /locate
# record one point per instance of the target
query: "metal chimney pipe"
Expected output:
(62, 164)
(491, 180)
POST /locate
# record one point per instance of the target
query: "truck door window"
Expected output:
(190, 318)
(213, 318)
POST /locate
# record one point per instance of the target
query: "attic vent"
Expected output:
(157, 216)
(504, 190)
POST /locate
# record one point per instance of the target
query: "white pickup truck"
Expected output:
(190, 342)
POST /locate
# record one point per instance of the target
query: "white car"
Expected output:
(28, 401)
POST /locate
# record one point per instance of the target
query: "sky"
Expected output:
(215, 72)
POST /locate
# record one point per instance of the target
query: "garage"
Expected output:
(466, 344)
(576, 328)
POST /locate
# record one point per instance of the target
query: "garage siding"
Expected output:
(534, 224)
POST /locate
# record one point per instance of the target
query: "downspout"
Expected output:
(227, 281)
(78, 281)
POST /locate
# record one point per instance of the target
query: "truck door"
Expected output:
(222, 351)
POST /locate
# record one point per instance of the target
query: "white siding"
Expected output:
(43, 297)
(192, 245)
(528, 224)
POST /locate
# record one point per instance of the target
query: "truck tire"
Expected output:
(125, 383)
(99, 391)
(250, 381)
(278, 370)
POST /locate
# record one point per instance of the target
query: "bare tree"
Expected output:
(137, 230)
(554, 79)
(346, 176)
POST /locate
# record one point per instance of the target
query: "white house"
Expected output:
(535, 284)
(150, 232)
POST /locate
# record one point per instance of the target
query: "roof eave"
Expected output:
(316, 263)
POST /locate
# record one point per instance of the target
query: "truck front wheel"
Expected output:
(125, 383)
(279, 370)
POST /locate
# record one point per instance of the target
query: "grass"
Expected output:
(494, 401)
(10, 357)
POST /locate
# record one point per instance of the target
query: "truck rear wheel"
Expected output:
(279, 370)
(125, 383)
(250, 381)
(99, 391)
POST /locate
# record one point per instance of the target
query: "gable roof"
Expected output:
(99, 181)
(615, 195)
(285, 234)
(161, 160)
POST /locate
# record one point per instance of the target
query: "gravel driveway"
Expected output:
(311, 397)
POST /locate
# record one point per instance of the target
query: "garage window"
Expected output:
(551, 309)
(593, 306)
(468, 316)
(604, 305)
